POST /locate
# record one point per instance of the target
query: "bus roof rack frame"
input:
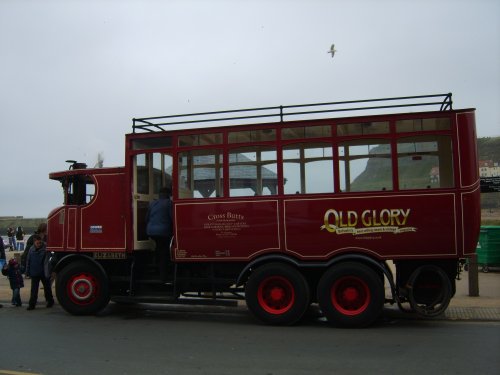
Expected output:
(154, 124)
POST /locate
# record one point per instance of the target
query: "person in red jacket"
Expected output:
(13, 271)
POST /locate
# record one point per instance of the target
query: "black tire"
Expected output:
(430, 290)
(82, 288)
(351, 295)
(277, 294)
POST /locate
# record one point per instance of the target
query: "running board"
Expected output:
(171, 300)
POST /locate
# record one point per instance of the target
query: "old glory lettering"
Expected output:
(388, 220)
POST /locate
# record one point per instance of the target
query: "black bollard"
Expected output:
(473, 276)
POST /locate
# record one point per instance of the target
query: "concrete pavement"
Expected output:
(485, 307)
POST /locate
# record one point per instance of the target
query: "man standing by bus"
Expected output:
(159, 226)
(37, 269)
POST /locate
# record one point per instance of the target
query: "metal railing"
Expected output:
(153, 124)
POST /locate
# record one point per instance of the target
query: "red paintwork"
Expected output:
(69, 227)
(276, 295)
(350, 295)
(432, 227)
(82, 289)
(437, 223)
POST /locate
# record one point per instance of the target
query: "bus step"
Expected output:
(155, 280)
(149, 298)
(171, 300)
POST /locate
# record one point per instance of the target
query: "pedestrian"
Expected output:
(159, 227)
(12, 238)
(2, 251)
(42, 231)
(20, 238)
(13, 271)
(37, 269)
(2, 257)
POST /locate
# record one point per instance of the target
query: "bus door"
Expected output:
(152, 171)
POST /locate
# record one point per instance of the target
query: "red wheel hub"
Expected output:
(350, 295)
(276, 295)
(82, 289)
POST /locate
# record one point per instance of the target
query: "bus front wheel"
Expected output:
(277, 294)
(82, 289)
(351, 295)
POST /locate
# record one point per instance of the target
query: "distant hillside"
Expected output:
(489, 148)
(28, 225)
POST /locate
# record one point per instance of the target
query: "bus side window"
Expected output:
(200, 174)
(89, 191)
(425, 162)
(80, 190)
(253, 171)
(365, 165)
(308, 168)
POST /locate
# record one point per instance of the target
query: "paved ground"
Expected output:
(485, 307)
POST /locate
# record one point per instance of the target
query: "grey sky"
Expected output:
(74, 73)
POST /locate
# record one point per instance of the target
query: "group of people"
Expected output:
(34, 263)
(16, 238)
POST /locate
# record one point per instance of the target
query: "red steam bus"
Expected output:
(302, 208)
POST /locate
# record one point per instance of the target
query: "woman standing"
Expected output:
(20, 238)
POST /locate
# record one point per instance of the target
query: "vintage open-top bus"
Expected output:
(283, 213)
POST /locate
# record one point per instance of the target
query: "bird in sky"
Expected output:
(332, 50)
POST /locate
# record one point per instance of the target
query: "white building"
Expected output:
(488, 168)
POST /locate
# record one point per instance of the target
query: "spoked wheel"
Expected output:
(430, 290)
(351, 295)
(82, 289)
(277, 294)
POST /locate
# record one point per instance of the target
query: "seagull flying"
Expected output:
(332, 50)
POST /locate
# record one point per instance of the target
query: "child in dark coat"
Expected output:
(13, 271)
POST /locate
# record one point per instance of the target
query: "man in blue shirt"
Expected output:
(37, 267)
(159, 226)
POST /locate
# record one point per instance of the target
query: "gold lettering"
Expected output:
(366, 219)
(385, 217)
(329, 227)
(352, 218)
(395, 216)
(336, 221)
(405, 215)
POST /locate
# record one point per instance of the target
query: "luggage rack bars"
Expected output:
(152, 124)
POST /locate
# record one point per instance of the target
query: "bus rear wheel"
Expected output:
(351, 295)
(277, 294)
(82, 289)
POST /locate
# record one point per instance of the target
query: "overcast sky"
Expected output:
(73, 74)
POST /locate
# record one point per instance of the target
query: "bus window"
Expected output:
(363, 128)
(308, 168)
(245, 136)
(200, 174)
(89, 191)
(151, 143)
(142, 170)
(252, 171)
(365, 165)
(425, 162)
(162, 171)
(306, 132)
(80, 190)
(200, 139)
(426, 124)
